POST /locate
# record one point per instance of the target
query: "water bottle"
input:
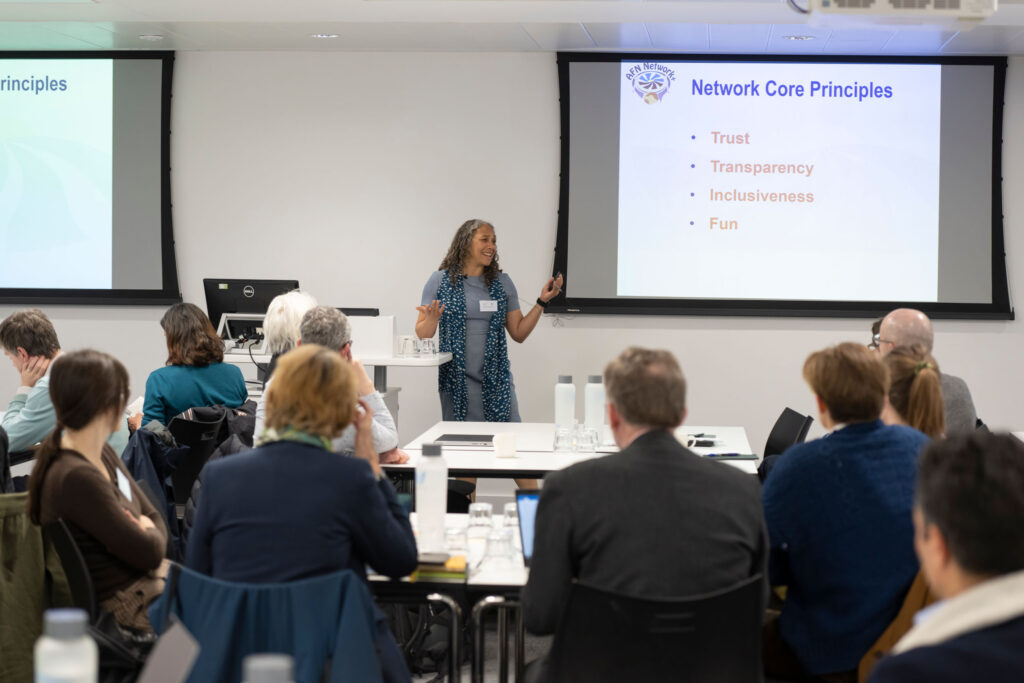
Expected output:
(431, 498)
(593, 404)
(565, 403)
(268, 669)
(65, 653)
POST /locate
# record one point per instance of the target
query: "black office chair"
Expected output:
(791, 428)
(6, 485)
(202, 439)
(83, 595)
(706, 638)
(122, 651)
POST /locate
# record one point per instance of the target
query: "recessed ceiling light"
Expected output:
(325, 35)
(798, 37)
(150, 36)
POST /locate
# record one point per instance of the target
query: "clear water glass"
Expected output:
(499, 548)
(587, 439)
(564, 441)
(456, 541)
(480, 526)
(480, 514)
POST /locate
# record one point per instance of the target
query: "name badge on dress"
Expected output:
(488, 306)
(124, 485)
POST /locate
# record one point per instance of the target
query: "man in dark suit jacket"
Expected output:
(654, 520)
(969, 536)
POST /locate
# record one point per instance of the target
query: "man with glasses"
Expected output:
(906, 326)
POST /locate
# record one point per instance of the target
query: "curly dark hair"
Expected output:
(459, 250)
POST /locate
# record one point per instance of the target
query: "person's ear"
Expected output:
(298, 342)
(614, 419)
(346, 351)
(23, 354)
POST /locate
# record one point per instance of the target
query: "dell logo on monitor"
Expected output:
(249, 291)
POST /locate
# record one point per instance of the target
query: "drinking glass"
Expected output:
(480, 526)
(586, 439)
(564, 441)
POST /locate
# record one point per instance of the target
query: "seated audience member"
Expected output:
(654, 520)
(195, 374)
(29, 340)
(330, 327)
(969, 535)
(281, 325)
(79, 478)
(328, 513)
(915, 391)
(838, 515)
(905, 327)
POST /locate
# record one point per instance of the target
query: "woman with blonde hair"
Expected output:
(915, 391)
(292, 509)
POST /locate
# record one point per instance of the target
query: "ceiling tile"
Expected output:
(922, 41)
(739, 37)
(619, 36)
(984, 40)
(681, 37)
(560, 36)
(859, 41)
(778, 43)
(33, 36)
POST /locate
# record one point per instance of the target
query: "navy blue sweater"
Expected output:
(289, 511)
(838, 511)
(992, 655)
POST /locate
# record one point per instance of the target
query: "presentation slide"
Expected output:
(56, 173)
(795, 181)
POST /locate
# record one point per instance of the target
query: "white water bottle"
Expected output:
(65, 653)
(565, 402)
(431, 498)
(593, 404)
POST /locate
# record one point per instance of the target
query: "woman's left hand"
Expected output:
(552, 288)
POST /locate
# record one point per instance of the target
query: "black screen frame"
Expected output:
(999, 309)
(169, 292)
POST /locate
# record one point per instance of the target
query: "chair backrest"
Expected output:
(791, 428)
(608, 637)
(6, 486)
(202, 439)
(83, 594)
(918, 597)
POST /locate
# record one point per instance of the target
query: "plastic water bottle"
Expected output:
(565, 403)
(65, 653)
(593, 404)
(268, 669)
(431, 498)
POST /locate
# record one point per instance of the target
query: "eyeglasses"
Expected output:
(876, 341)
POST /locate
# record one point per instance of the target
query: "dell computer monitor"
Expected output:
(242, 296)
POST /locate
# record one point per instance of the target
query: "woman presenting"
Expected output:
(475, 303)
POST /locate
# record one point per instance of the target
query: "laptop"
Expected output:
(526, 508)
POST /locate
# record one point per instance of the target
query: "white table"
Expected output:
(535, 454)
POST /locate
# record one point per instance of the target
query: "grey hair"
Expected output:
(325, 326)
(459, 249)
(281, 326)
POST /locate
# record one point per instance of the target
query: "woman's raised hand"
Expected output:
(433, 311)
(552, 288)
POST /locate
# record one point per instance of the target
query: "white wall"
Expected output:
(351, 171)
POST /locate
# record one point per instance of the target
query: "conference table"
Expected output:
(488, 586)
(535, 455)
(497, 588)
